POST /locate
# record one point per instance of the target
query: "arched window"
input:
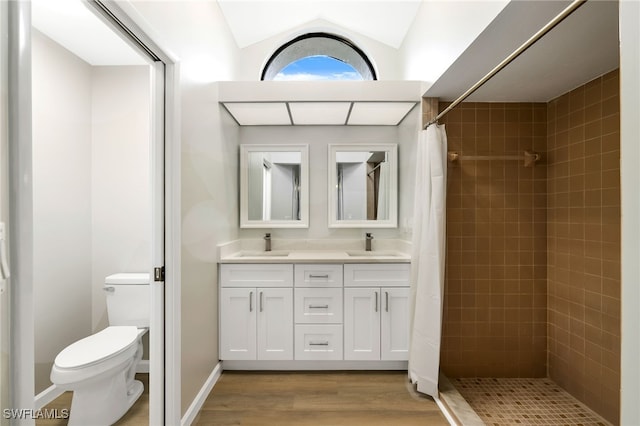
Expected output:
(319, 56)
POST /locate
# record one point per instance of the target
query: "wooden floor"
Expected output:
(138, 415)
(317, 398)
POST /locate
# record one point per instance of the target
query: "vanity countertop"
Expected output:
(239, 252)
(324, 256)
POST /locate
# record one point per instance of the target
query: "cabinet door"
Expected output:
(275, 323)
(238, 323)
(395, 323)
(362, 323)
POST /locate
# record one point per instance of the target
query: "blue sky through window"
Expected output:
(318, 68)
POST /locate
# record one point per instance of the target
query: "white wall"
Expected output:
(318, 138)
(198, 37)
(408, 130)
(209, 217)
(120, 178)
(62, 201)
(441, 31)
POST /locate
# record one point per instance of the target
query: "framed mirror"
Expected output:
(363, 186)
(274, 186)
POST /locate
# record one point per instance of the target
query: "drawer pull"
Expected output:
(325, 343)
(325, 276)
(376, 301)
(261, 301)
(318, 306)
(250, 301)
(386, 296)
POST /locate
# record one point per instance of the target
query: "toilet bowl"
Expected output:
(100, 371)
(100, 368)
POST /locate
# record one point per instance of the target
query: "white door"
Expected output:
(362, 324)
(395, 323)
(275, 323)
(157, 320)
(5, 400)
(238, 323)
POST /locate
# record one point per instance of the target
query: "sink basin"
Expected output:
(257, 253)
(364, 253)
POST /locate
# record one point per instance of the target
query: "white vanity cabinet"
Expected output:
(376, 312)
(314, 315)
(256, 312)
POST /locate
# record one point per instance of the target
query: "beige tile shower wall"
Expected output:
(584, 243)
(495, 313)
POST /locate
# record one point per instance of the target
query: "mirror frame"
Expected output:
(392, 222)
(304, 187)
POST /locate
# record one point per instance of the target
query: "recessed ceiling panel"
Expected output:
(379, 113)
(259, 113)
(334, 113)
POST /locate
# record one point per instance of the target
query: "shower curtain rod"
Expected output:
(534, 38)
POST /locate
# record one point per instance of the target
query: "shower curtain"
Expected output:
(427, 260)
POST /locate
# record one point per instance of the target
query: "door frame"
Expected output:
(164, 398)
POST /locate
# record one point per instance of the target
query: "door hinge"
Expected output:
(158, 273)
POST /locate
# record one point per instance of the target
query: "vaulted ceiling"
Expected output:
(582, 47)
(383, 21)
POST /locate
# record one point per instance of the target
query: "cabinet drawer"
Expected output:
(318, 275)
(318, 305)
(377, 275)
(318, 342)
(256, 275)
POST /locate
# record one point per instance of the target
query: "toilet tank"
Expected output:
(128, 299)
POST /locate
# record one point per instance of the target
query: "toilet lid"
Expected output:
(97, 347)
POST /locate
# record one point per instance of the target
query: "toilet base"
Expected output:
(103, 401)
(134, 392)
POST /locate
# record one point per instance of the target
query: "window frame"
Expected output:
(360, 61)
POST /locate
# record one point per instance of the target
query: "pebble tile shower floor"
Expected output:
(506, 401)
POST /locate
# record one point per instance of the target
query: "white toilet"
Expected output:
(100, 369)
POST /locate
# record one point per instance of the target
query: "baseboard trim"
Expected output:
(314, 365)
(46, 396)
(195, 407)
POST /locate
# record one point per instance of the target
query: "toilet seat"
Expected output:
(97, 348)
(75, 367)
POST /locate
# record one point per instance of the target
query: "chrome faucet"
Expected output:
(368, 241)
(267, 242)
